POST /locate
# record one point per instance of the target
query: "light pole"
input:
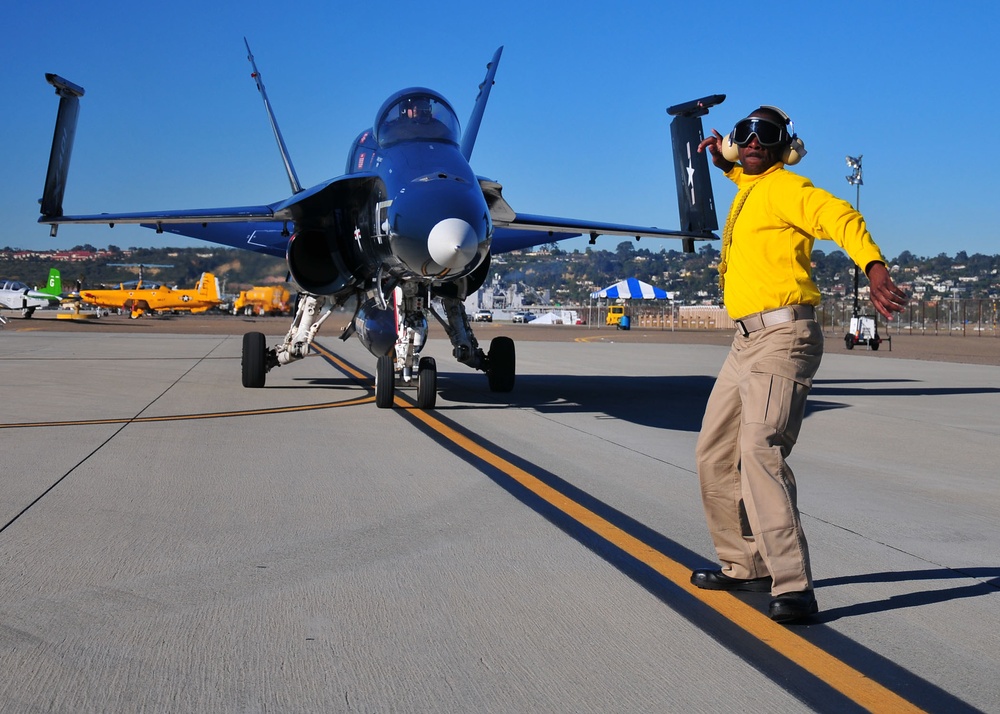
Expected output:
(855, 180)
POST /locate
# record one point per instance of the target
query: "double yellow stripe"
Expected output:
(845, 679)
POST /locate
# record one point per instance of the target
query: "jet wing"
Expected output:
(267, 237)
(514, 231)
(255, 228)
(262, 229)
(200, 215)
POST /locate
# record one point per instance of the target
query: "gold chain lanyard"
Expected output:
(727, 236)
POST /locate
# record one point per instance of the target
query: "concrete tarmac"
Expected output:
(170, 541)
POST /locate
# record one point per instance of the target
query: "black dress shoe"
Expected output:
(717, 580)
(789, 607)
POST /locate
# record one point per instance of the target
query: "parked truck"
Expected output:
(615, 315)
(269, 300)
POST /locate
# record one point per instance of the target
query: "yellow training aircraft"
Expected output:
(140, 297)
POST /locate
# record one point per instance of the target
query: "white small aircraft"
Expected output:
(15, 295)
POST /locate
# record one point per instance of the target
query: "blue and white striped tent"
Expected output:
(632, 289)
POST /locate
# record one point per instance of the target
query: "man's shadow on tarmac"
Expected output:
(664, 402)
(989, 584)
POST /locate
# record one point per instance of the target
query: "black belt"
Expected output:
(770, 318)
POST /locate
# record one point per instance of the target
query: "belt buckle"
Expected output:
(744, 332)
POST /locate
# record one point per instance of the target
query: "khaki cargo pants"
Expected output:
(751, 423)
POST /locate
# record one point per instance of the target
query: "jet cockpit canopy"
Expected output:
(416, 114)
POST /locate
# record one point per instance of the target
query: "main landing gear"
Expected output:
(254, 360)
(258, 359)
(499, 364)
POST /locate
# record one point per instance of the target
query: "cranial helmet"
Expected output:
(769, 133)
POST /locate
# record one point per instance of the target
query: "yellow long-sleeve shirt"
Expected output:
(768, 262)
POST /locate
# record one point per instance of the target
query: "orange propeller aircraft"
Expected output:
(140, 297)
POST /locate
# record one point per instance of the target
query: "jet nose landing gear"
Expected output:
(385, 381)
(426, 383)
(386, 377)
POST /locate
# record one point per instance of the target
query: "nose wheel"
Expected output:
(385, 382)
(426, 383)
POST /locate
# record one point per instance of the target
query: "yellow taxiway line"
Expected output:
(845, 679)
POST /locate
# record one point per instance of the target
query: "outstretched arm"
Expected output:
(885, 296)
(714, 145)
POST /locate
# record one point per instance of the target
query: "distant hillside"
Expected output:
(236, 269)
(693, 277)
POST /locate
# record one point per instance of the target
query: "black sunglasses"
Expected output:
(768, 133)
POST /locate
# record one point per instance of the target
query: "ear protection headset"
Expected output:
(792, 153)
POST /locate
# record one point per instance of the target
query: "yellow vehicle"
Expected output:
(140, 297)
(271, 300)
(615, 314)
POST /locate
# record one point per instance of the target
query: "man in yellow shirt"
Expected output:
(756, 408)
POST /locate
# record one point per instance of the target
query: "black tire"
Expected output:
(874, 343)
(385, 382)
(254, 360)
(502, 365)
(426, 383)
(849, 341)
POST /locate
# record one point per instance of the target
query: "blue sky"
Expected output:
(576, 124)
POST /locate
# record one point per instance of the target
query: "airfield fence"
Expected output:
(978, 317)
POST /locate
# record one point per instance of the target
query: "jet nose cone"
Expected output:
(452, 243)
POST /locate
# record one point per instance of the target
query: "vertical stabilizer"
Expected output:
(208, 287)
(54, 286)
(472, 128)
(695, 201)
(62, 146)
(286, 159)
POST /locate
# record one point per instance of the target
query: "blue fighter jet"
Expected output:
(408, 231)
